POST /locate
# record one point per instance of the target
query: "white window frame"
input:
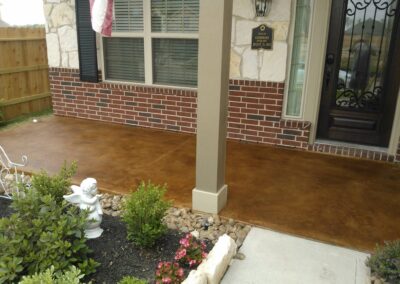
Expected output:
(289, 63)
(147, 36)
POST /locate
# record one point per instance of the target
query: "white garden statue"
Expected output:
(88, 199)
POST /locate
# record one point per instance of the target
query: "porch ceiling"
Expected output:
(344, 201)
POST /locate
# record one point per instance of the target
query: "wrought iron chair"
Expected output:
(9, 169)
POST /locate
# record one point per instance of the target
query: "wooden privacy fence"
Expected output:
(24, 72)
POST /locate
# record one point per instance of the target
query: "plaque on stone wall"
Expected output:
(262, 37)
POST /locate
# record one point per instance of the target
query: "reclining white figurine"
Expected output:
(88, 199)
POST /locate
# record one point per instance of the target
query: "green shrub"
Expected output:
(57, 185)
(132, 280)
(40, 234)
(71, 276)
(385, 262)
(143, 212)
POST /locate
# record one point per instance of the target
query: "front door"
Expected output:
(362, 74)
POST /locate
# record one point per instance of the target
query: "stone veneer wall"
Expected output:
(62, 46)
(268, 65)
(263, 65)
(398, 153)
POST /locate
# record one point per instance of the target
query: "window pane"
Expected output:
(175, 16)
(175, 61)
(128, 16)
(124, 59)
(299, 56)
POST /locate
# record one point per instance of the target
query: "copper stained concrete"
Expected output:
(353, 203)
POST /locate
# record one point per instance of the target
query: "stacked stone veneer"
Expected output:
(263, 65)
(254, 107)
(62, 47)
(398, 153)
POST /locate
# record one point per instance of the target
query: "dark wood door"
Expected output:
(362, 74)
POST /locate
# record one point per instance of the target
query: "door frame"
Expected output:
(319, 30)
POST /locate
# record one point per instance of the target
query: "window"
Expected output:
(153, 42)
(298, 58)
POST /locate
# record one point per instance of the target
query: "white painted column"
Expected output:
(210, 194)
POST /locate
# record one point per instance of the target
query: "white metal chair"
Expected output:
(7, 169)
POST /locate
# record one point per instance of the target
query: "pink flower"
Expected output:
(184, 242)
(180, 254)
(166, 280)
(180, 272)
(192, 262)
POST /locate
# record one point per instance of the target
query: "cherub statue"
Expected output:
(86, 196)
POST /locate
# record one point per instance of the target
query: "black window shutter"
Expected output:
(86, 43)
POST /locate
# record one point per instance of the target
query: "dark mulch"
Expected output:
(5, 209)
(119, 257)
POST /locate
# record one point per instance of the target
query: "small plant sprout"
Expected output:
(169, 273)
(191, 252)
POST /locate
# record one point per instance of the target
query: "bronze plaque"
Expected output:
(262, 37)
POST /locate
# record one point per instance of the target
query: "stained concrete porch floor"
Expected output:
(343, 201)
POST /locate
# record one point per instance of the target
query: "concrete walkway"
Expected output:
(348, 202)
(276, 258)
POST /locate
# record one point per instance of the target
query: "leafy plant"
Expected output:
(143, 212)
(169, 273)
(132, 280)
(57, 185)
(2, 120)
(385, 262)
(42, 233)
(71, 276)
(191, 252)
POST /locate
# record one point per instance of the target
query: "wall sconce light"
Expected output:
(262, 7)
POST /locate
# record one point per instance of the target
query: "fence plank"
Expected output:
(24, 74)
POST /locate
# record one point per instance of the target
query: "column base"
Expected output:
(209, 202)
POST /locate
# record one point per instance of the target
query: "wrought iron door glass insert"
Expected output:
(364, 54)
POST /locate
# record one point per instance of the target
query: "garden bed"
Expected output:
(119, 257)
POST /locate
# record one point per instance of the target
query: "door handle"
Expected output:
(330, 59)
(328, 73)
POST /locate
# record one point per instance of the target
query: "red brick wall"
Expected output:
(162, 108)
(354, 152)
(254, 107)
(254, 111)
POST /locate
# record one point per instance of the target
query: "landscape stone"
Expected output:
(196, 277)
(62, 14)
(274, 63)
(244, 9)
(53, 53)
(234, 70)
(218, 259)
(250, 64)
(280, 11)
(243, 31)
(68, 39)
(184, 220)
